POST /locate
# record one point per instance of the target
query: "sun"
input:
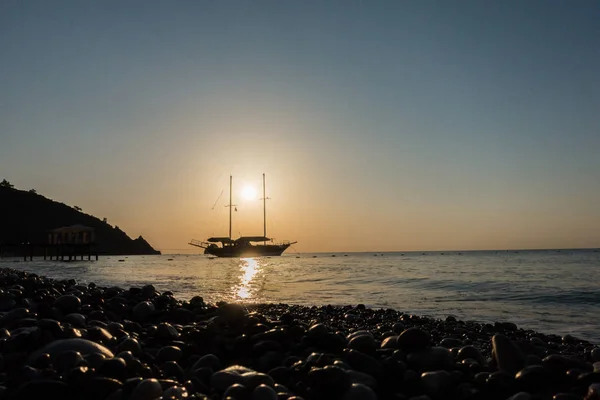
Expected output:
(248, 193)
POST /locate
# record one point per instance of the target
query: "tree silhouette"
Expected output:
(77, 208)
(7, 184)
(33, 191)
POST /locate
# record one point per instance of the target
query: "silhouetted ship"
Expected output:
(245, 246)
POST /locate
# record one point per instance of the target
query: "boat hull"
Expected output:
(265, 250)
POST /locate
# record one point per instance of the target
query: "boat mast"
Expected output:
(230, 180)
(264, 210)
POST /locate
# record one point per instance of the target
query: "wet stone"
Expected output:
(317, 330)
(451, 342)
(359, 392)
(169, 353)
(264, 392)
(508, 356)
(143, 310)
(148, 389)
(237, 391)
(78, 345)
(329, 381)
(363, 343)
(532, 377)
(67, 360)
(431, 359)
(436, 382)
(75, 319)
(68, 304)
(166, 331)
(41, 389)
(390, 342)
(413, 339)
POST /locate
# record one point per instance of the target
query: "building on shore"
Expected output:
(74, 234)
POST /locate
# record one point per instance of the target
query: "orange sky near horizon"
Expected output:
(381, 126)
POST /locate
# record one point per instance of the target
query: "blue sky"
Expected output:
(381, 125)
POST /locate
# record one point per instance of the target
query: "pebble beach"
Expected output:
(64, 340)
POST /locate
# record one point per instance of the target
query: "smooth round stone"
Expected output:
(75, 319)
(41, 389)
(101, 387)
(361, 377)
(148, 290)
(237, 391)
(413, 339)
(208, 361)
(95, 360)
(390, 342)
(358, 333)
(170, 353)
(113, 368)
(166, 331)
(451, 342)
(67, 360)
(595, 353)
(436, 382)
(362, 343)
(143, 310)
(520, 396)
(264, 392)
(148, 389)
(253, 379)
(470, 352)
(566, 396)
(175, 392)
(7, 303)
(431, 359)
(569, 339)
(127, 356)
(359, 391)
(329, 379)
(508, 356)
(363, 363)
(533, 376)
(317, 330)
(82, 346)
(221, 380)
(68, 303)
(14, 315)
(537, 342)
(130, 344)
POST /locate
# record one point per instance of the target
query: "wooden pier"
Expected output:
(63, 244)
(58, 252)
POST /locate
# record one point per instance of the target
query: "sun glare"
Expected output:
(248, 193)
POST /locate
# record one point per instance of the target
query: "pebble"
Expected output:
(359, 391)
(82, 346)
(264, 392)
(171, 349)
(143, 310)
(413, 339)
(508, 357)
(148, 389)
(436, 382)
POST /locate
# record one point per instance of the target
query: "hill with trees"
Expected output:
(26, 216)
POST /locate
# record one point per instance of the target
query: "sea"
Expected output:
(549, 291)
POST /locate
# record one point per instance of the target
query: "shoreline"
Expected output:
(157, 346)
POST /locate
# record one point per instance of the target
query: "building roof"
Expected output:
(73, 228)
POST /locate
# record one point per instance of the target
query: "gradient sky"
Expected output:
(386, 125)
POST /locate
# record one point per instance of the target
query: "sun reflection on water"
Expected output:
(250, 268)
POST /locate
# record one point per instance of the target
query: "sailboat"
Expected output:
(244, 246)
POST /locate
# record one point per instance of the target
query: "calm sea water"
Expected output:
(549, 291)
